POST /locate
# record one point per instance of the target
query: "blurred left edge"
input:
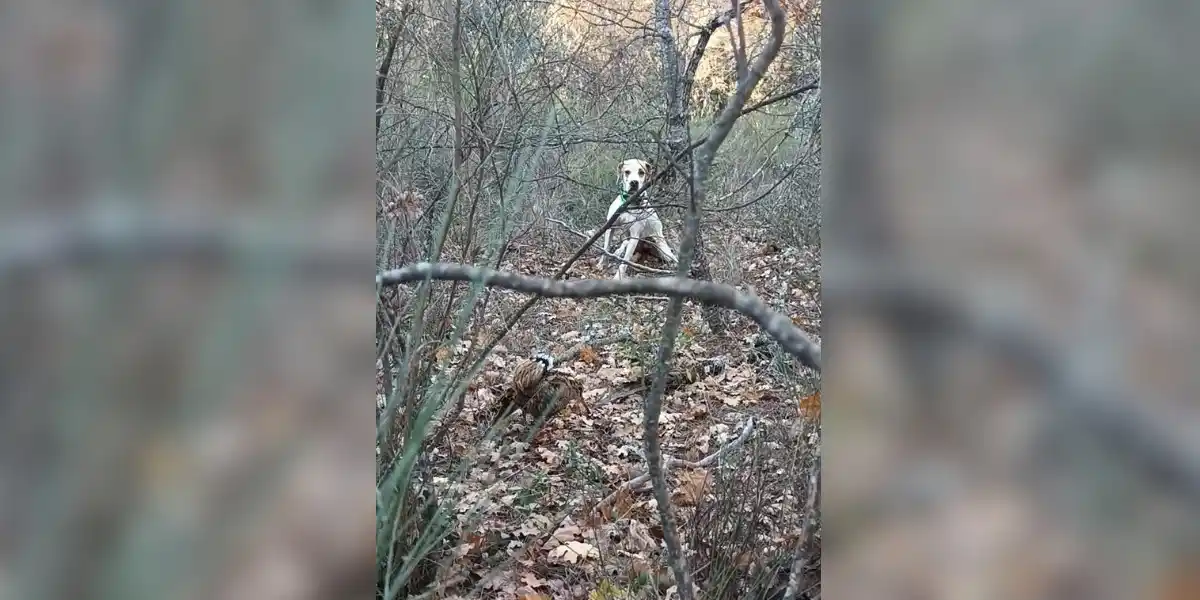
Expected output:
(185, 241)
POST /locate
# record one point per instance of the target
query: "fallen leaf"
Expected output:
(549, 456)
(486, 396)
(588, 355)
(563, 534)
(695, 485)
(810, 406)
(614, 374)
(573, 551)
(640, 537)
(624, 502)
(640, 568)
(532, 580)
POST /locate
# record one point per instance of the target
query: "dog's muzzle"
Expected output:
(633, 186)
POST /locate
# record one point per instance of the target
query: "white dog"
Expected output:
(642, 221)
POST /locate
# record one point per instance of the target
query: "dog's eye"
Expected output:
(626, 172)
(641, 172)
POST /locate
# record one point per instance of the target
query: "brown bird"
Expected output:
(526, 377)
(556, 392)
(529, 373)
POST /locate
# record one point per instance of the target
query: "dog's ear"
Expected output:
(649, 167)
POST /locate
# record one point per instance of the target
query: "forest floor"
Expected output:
(527, 526)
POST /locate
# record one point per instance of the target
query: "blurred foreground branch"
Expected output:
(1100, 407)
(42, 245)
(780, 327)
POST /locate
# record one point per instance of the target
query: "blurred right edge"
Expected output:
(1011, 327)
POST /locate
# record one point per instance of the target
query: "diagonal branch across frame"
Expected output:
(777, 325)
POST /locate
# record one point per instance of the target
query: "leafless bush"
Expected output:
(744, 537)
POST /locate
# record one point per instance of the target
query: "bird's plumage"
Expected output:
(529, 373)
(556, 392)
(538, 390)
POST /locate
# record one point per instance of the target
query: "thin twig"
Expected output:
(815, 84)
(778, 326)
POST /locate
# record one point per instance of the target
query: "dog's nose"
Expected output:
(633, 185)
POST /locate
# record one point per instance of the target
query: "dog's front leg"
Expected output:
(612, 210)
(604, 256)
(619, 251)
(630, 247)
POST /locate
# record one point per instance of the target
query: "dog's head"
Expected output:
(632, 174)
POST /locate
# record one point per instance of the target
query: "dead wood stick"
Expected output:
(625, 393)
(670, 462)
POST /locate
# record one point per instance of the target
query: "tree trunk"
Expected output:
(677, 86)
(714, 316)
(673, 88)
(385, 67)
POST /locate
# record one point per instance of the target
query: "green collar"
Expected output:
(624, 197)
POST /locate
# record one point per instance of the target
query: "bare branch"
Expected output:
(698, 176)
(816, 84)
(778, 326)
(29, 246)
(385, 68)
(703, 37)
(733, 110)
(739, 48)
(677, 132)
(1103, 409)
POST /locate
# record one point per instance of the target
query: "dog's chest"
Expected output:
(634, 216)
